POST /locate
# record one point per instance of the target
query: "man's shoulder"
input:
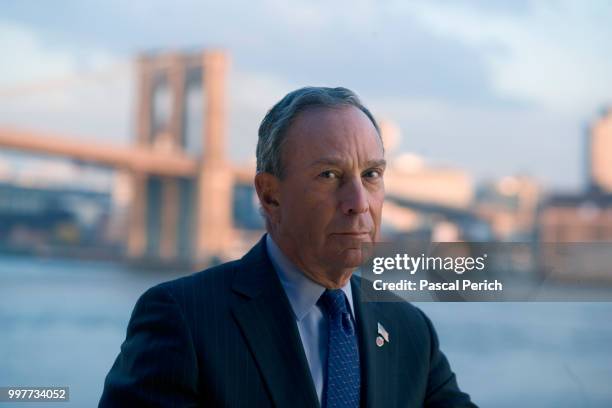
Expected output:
(209, 285)
(216, 276)
(211, 288)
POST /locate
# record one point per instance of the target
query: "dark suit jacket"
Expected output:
(227, 337)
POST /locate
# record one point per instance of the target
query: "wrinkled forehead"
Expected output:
(345, 133)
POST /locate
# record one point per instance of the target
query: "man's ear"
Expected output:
(268, 191)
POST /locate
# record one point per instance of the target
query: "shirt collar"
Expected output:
(303, 293)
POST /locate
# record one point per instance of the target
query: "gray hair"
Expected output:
(277, 121)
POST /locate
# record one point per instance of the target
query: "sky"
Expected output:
(493, 87)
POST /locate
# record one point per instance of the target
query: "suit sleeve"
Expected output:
(442, 388)
(157, 365)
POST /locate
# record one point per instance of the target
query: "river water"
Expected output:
(62, 323)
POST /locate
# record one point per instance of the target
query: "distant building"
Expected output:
(575, 230)
(425, 201)
(575, 237)
(33, 216)
(409, 177)
(600, 153)
(430, 202)
(576, 218)
(509, 205)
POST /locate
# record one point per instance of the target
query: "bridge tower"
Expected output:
(175, 218)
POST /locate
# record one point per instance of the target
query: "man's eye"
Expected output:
(328, 174)
(372, 173)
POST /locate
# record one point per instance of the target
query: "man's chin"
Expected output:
(350, 258)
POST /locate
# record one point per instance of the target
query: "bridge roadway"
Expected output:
(137, 159)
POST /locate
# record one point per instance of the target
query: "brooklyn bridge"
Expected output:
(182, 203)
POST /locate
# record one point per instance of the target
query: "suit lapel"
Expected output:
(265, 317)
(379, 367)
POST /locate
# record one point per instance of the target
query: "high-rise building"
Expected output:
(600, 153)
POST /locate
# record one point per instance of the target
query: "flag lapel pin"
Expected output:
(383, 336)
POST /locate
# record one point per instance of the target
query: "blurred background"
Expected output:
(127, 152)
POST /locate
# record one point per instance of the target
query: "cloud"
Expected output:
(552, 56)
(375, 47)
(25, 55)
(55, 89)
(549, 54)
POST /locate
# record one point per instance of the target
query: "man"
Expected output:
(286, 325)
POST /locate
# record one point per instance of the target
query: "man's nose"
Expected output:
(354, 197)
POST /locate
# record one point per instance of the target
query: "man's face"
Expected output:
(331, 195)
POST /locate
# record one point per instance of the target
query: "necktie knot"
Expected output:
(334, 302)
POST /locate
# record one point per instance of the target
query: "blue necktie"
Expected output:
(343, 375)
